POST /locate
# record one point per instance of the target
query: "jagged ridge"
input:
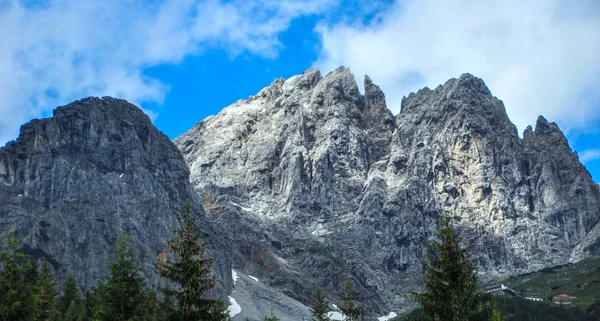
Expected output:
(332, 185)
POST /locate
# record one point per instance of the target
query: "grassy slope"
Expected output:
(581, 280)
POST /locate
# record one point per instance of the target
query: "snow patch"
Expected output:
(234, 276)
(336, 316)
(253, 278)
(234, 308)
(387, 317)
(247, 209)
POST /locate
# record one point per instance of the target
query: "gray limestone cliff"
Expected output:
(321, 183)
(310, 182)
(70, 183)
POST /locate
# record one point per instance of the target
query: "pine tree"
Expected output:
(76, 311)
(191, 274)
(349, 308)
(451, 290)
(121, 296)
(318, 310)
(45, 306)
(167, 304)
(70, 293)
(18, 277)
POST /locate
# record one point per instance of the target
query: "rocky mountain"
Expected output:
(310, 182)
(317, 183)
(71, 183)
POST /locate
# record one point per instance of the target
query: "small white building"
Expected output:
(532, 297)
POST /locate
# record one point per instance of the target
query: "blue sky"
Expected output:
(184, 60)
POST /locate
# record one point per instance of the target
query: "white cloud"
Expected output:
(538, 56)
(589, 155)
(55, 51)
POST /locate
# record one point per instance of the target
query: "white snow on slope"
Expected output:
(234, 276)
(234, 308)
(387, 317)
(253, 278)
(336, 316)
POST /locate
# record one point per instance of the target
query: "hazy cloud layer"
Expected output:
(538, 56)
(56, 51)
(589, 155)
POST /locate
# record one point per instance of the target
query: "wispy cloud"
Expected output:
(589, 155)
(55, 51)
(538, 56)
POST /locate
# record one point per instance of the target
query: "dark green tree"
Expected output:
(45, 306)
(167, 305)
(451, 289)
(350, 309)
(318, 311)
(76, 311)
(190, 272)
(18, 277)
(121, 296)
(70, 293)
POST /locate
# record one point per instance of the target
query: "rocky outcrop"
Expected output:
(71, 183)
(322, 183)
(310, 182)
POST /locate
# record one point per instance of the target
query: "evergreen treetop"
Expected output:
(45, 306)
(191, 273)
(350, 309)
(451, 289)
(120, 296)
(318, 310)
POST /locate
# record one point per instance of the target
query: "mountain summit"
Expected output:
(333, 186)
(307, 183)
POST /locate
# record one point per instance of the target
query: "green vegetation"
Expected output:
(349, 308)
(28, 292)
(191, 273)
(44, 300)
(121, 295)
(518, 309)
(581, 280)
(451, 289)
(18, 280)
(318, 310)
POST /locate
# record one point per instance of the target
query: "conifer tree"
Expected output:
(45, 306)
(191, 274)
(76, 311)
(18, 276)
(70, 293)
(120, 296)
(451, 291)
(349, 307)
(318, 310)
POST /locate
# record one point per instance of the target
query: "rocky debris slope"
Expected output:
(318, 183)
(70, 183)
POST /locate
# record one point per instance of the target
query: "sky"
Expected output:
(184, 60)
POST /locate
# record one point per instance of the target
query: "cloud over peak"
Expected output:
(55, 51)
(538, 56)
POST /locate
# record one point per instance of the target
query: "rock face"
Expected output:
(70, 183)
(318, 183)
(307, 183)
